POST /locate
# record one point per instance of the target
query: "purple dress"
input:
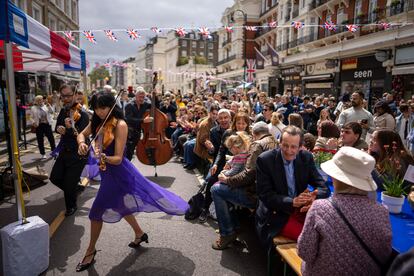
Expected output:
(124, 191)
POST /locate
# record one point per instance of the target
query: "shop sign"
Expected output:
(290, 71)
(318, 68)
(363, 74)
(349, 63)
(404, 55)
(321, 85)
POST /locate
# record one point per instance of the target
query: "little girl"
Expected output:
(238, 144)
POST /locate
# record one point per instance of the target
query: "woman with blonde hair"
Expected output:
(42, 122)
(275, 125)
(323, 116)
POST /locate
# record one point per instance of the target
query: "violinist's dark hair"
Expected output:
(102, 100)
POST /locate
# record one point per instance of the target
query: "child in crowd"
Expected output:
(238, 144)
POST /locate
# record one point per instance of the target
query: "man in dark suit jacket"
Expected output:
(282, 178)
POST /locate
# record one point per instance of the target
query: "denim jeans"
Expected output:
(189, 155)
(222, 194)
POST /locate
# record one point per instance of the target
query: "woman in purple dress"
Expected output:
(123, 191)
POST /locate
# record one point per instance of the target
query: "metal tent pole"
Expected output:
(11, 90)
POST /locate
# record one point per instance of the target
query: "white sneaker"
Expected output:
(44, 157)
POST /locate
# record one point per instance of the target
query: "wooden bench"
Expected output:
(278, 240)
(289, 254)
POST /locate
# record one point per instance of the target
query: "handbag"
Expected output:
(383, 267)
(196, 203)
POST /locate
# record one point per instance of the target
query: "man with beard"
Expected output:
(357, 113)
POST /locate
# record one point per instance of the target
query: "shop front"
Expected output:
(365, 74)
(291, 77)
(319, 79)
(403, 72)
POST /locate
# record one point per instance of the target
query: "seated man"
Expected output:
(283, 176)
(350, 136)
(241, 188)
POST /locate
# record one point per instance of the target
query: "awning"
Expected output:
(245, 85)
(318, 77)
(403, 70)
(36, 48)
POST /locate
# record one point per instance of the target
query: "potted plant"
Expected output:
(394, 190)
(376, 10)
(360, 15)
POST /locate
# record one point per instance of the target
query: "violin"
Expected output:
(107, 139)
(74, 115)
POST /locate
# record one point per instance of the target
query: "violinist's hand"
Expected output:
(83, 148)
(148, 119)
(68, 123)
(61, 130)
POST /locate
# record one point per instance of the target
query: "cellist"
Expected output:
(69, 165)
(134, 116)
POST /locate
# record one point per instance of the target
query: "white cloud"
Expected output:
(122, 14)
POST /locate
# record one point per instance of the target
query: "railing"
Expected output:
(306, 39)
(230, 58)
(287, 17)
(316, 3)
(282, 47)
(293, 43)
(263, 31)
(226, 41)
(400, 7)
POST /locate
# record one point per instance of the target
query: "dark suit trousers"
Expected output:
(66, 173)
(132, 141)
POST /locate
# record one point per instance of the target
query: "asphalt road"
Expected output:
(176, 246)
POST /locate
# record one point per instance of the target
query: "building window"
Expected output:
(75, 11)
(274, 2)
(211, 45)
(201, 44)
(68, 8)
(210, 55)
(21, 4)
(52, 23)
(37, 12)
(183, 53)
(372, 6)
(184, 43)
(194, 44)
(358, 8)
(60, 5)
(264, 5)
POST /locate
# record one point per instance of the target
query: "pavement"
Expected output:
(176, 246)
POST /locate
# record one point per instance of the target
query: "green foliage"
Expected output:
(182, 61)
(322, 156)
(200, 60)
(392, 182)
(99, 73)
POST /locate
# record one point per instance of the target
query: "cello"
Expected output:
(155, 148)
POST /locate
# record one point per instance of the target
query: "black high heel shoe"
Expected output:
(81, 266)
(136, 243)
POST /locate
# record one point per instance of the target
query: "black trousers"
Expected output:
(66, 174)
(132, 141)
(41, 131)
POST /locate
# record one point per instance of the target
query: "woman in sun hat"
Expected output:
(327, 245)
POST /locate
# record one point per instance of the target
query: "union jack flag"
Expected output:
(298, 24)
(352, 28)
(251, 69)
(89, 36)
(204, 31)
(385, 25)
(107, 65)
(133, 34)
(251, 28)
(69, 35)
(180, 32)
(229, 29)
(156, 30)
(110, 34)
(273, 24)
(330, 26)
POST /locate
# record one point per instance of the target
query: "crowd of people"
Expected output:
(256, 152)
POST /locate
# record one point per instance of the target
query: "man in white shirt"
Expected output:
(404, 123)
(357, 113)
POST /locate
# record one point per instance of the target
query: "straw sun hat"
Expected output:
(352, 167)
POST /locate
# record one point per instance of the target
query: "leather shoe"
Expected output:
(70, 211)
(83, 266)
(138, 240)
(189, 167)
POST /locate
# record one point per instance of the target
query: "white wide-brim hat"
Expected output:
(352, 167)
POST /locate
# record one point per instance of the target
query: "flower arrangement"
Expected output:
(322, 155)
(389, 169)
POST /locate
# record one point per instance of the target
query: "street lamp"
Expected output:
(245, 42)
